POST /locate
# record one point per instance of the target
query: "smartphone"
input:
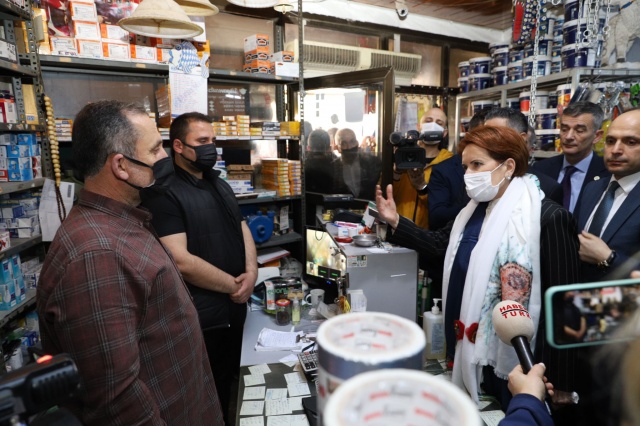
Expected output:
(592, 313)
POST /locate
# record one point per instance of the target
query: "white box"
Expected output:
(116, 51)
(86, 30)
(65, 46)
(7, 139)
(286, 69)
(256, 41)
(143, 53)
(89, 48)
(82, 11)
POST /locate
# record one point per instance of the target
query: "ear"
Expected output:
(118, 167)
(599, 134)
(445, 132)
(510, 163)
(178, 147)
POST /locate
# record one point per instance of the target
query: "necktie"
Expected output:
(602, 212)
(459, 274)
(566, 186)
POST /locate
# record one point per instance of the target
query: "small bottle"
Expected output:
(283, 312)
(433, 326)
(295, 311)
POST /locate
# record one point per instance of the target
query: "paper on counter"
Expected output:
(260, 369)
(293, 420)
(276, 393)
(275, 407)
(492, 418)
(254, 393)
(298, 389)
(272, 340)
(295, 403)
(252, 408)
(296, 377)
(252, 421)
(253, 379)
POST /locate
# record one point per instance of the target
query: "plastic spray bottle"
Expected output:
(433, 326)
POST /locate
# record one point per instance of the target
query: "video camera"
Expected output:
(409, 155)
(37, 387)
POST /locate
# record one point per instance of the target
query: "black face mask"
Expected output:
(163, 175)
(206, 156)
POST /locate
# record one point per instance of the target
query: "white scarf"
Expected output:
(510, 235)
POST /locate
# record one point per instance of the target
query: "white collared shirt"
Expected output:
(627, 184)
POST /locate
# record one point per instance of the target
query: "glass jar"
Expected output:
(283, 312)
(295, 311)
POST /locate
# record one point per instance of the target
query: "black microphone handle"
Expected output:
(521, 345)
(525, 356)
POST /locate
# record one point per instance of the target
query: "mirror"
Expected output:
(592, 313)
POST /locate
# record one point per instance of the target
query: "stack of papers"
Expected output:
(271, 340)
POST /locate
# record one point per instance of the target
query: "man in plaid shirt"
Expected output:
(110, 294)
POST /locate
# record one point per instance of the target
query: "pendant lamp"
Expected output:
(160, 18)
(255, 3)
(198, 7)
(283, 6)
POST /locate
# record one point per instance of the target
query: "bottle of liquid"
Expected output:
(433, 326)
(295, 311)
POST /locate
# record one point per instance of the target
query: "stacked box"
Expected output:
(244, 125)
(19, 284)
(270, 128)
(7, 286)
(240, 186)
(8, 109)
(285, 69)
(115, 42)
(256, 54)
(275, 175)
(241, 172)
(8, 51)
(31, 272)
(63, 46)
(290, 128)
(227, 127)
(295, 177)
(83, 11)
(20, 214)
(63, 129)
(143, 53)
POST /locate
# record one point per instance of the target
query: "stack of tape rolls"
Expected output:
(356, 343)
(400, 397)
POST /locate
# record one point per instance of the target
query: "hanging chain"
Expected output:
(534, 70)
(605, 27)
(556, 2)
(592, 12)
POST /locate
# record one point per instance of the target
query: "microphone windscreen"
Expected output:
(511, 319)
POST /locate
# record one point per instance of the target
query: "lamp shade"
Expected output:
(160, 18)
(283, 6)
(255, 3)
(198, 7)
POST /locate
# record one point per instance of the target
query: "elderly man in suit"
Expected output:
(609, 213)
(579, 131)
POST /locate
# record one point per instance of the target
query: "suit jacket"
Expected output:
(552, 167)
(447, 193)
(370, 169)
(622, 234)
(559, 264)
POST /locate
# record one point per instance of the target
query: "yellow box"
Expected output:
(290, 128)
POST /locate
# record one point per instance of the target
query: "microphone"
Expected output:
(514, 327)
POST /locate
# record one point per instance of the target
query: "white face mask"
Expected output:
(479, 187)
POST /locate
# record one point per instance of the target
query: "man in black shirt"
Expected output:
(200, 222)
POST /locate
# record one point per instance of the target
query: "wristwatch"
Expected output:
(605, 264)
(423, 190)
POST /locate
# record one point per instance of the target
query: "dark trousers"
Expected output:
(224, 346)
(496, 387)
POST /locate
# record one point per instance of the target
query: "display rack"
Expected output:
(573, 76)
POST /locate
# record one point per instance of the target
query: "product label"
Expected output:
(437, 343)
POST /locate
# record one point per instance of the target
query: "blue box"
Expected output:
(18, 151)
(11, 211)
(21, 291)
(7, 296)
(6, 271)
(34, 150)
(26, 138)
(16, 266)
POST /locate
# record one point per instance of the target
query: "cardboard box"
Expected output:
(83, 30)
(83, 11)
(283, 56)
(116, 51)
(6, 271)
(11, 211)
(4, 164)
(5, 240)
(261, 53)
(143, 53)
(37, 172)
(8, 51)
(89, 48)
(164, 55)
(4, 175)
(20, 287)
(261, 67)
(254, 41)
(26, 138)
(114, 33)
(286, 69)
(17, 151)
(7, 296)
(34, 150)
(63, 46)
(8, 139)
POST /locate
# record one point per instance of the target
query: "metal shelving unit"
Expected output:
(9, 187)
(573, 76)
(276, 240)
(14, 312)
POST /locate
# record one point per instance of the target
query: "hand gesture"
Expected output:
(387, 207)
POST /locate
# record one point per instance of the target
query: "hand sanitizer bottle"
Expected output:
(433, 326)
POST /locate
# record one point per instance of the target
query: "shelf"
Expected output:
(21, 127)
(20, 244)
(9, 187)
(30, 300)
(153, 68)
(276, 240)
(9, 10)
(545, 154)
(16, 69)
(263, 200)
(256, 138)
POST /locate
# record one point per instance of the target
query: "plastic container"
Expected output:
(464, 124)
(500, 57)
(463, 84)
(500, 76)
(527, 51)
(480, 65)
(295, 311)
(556, 50)
(283, 312)
(542, 99)
(478, 106)
(570, 32)
(513, 103)
(546, 119)
(556, 65)
(545, 46)
(515, 54)
(433, 326)
(480, 81)
(498, 45)
(574, 56)
(514, 70)
(544, 66)
(553, 99)
(571, 10)
(546, 139)
(563, 93)
(463, 68)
